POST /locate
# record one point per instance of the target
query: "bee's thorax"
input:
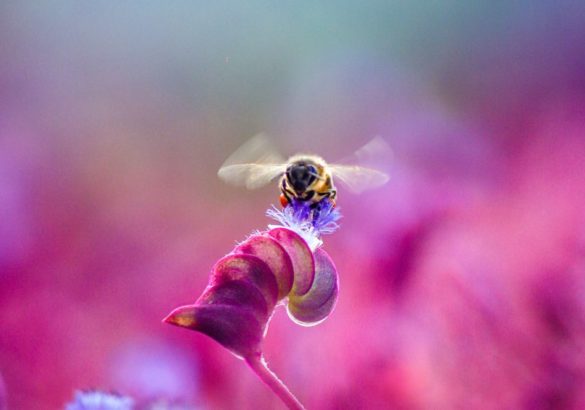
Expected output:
(307, 180)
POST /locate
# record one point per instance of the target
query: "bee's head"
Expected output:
(300, 175)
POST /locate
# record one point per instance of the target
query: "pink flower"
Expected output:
(246, 285)
(266, 269)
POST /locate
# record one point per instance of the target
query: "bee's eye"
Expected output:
(313, 170)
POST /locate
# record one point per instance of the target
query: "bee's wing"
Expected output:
(358, 179)
(376, 149)
(251, 176)
(253, 165)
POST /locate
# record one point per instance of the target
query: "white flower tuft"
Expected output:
(287, 219)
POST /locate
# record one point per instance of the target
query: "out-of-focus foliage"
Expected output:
(462, 279)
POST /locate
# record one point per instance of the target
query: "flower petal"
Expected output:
(301, 257)
(314, 306)
(274, 255)
(247, 267)
(235, 327)
(237, 293)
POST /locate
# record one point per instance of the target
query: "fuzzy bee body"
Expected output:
(307, 178)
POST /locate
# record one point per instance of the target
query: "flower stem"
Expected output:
(260, 367)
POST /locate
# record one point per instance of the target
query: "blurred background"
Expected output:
(462, 279)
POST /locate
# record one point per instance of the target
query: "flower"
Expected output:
(246, 285)
(309, 221)
(97, 400)
(3, 404)
(165, 404)
(285, 262)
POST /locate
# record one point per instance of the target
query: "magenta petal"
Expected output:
(247, 267)
(237, 293)
(234, 327)
(314, 306)
(301, 257)
(275, 256)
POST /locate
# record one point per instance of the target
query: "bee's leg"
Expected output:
(333, 196)
(286, 194)
(330, 196)
(285, 198)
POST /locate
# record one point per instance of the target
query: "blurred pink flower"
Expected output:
(3, 404)
(96, 400)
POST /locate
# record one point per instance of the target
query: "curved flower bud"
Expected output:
(235, 308)
(246, 285)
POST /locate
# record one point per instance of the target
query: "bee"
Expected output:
(303, 177)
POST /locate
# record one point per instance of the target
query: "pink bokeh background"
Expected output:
(462, 279)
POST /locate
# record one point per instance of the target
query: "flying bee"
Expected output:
(303, 177)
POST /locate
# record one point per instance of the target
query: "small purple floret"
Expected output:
(325, 217)
(308, 220)
(96, 400)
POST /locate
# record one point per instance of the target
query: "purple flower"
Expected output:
(246, 286)
(309, 221)
(151, 370)
(96, 400)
